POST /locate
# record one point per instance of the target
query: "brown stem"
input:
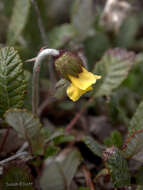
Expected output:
(4, 139)
(78, 115)
(88, 179)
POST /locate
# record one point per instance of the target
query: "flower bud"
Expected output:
(68, 63)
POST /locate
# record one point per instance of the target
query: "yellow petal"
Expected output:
(75, 93)
(84, 80)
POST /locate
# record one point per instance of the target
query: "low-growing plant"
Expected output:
(43, 145)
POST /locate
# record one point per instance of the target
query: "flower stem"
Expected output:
(35, 81)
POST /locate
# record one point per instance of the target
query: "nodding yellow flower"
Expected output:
(70, 66)
(81, 84)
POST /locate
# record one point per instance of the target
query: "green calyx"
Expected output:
(68, 64)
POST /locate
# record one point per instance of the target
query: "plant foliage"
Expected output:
(12, 81)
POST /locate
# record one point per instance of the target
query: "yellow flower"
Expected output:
(81, 84)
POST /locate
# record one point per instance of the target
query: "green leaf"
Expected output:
(98, 43)
(127, 33)
(136, 122)
(82, 17)
(57, 175)
(24, 122)
(114, 68)
(108, 142)
(133, 146)
(51, 151)
(60, 35)
(57, 133)
(117, 166)
(12, 82)
(28, 128)
(18, 20)
(93, 145)
(63, 139)
(115, 139)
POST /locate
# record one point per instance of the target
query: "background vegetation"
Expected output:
(95, 143)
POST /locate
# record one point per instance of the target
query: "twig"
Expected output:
(88, 179)
(78, 115)
(35, 81)
(40, 23)
(13, 157)
(23, 147)
(4, 139)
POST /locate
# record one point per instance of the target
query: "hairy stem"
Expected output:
(35, 81)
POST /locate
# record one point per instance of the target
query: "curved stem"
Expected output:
(35, 81)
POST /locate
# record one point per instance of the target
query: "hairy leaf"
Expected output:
(12, 82)
(133, 146)
(93, 145)
(58, 175)
(18, 20)
(136, 122)
(114, 68)
(24, 122)
(117, 166)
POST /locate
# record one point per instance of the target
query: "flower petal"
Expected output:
(84, 80)
(75, 93)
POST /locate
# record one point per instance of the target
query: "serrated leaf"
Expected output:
(93, 145)
(136, 122)
(82, 17)
(27, 126)
(17, 177)
(114, 68)
(18, 20)
(12, 82)
(60, 35)
(134, 146)
(117, 166)
(58, 175)
(24, 122)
